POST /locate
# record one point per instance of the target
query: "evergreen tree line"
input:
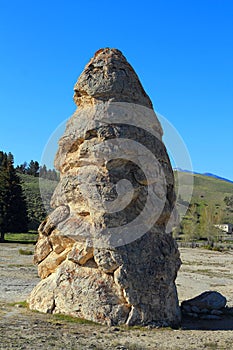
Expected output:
(13, 208)
(21, 205)
(48, 173)
(34, 169)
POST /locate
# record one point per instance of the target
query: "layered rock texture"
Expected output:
(104, 254)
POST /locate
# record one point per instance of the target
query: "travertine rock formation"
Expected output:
(103, 254)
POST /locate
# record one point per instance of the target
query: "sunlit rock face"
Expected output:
(104, 253)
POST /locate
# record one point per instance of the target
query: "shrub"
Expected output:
(25, 252)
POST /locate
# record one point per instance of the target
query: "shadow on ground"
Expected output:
(225, 324)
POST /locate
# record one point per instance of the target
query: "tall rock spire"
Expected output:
(104, 253)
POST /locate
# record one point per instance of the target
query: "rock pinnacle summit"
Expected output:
(109, 77)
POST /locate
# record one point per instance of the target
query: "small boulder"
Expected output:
(206, 306)
(210, 300)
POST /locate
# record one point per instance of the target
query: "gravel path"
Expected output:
(18, 275)
(21, 328)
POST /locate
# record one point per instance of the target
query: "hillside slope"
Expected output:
(207, 188)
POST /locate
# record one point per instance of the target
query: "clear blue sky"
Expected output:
(181, 50)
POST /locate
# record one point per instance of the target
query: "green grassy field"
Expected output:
(30, 237)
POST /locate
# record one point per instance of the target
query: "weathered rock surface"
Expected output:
(104, 253)
(109, 77)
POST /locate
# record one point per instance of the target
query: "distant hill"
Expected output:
(209, 189)
(204, 174)
(217, 177)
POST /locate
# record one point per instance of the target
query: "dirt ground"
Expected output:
(21, 328)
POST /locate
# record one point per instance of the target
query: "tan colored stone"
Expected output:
(83, 292)
(53, 219)
(49, 264)
(60, 243)
(42, 249)
(81, 253)
(38, 297)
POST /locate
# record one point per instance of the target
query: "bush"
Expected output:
(25, 252)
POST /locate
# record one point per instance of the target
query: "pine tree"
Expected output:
(3, 193)
(22, 168)
(13, 211)
(33, 168)
(43, 171)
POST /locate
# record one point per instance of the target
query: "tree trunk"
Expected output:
(2, 234)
